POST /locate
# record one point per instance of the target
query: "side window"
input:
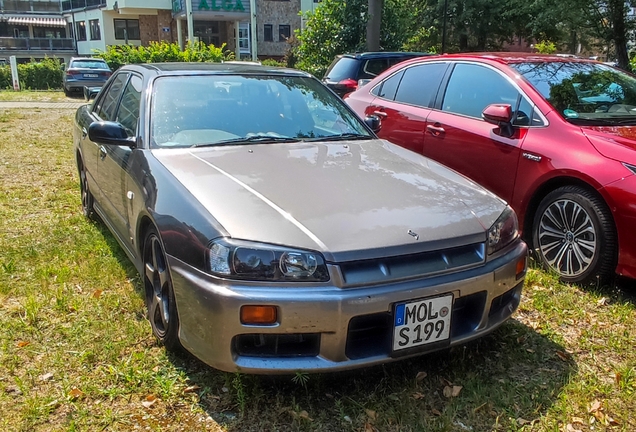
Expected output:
(387, 89)
(107, 105)
(527, 115)
(128, 113)
(472, 88)
(420, 83)
(374, 67)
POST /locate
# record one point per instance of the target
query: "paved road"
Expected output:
(41, 105)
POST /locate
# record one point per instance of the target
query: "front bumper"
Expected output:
(623, 206)
(327, 328)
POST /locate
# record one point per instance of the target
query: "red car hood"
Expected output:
(614, 142)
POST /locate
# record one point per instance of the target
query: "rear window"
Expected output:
(342, 68)
(89, 64)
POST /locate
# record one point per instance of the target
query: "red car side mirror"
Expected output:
(500, 115)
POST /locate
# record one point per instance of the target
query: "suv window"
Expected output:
(89, 64)
(342, 68)
(107, 104)
(372, 68)
(420, 83)
(472, 88)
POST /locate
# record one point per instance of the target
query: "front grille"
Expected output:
(277, 345)
(371, 335)
(414, 265)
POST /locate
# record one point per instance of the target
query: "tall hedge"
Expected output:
(36, 75)
(158, 52)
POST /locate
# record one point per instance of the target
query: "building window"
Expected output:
(126, 29)
(284, 32)
(96, 34)
(269, 33)
(81, 30)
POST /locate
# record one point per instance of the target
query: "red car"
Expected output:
(554, 136)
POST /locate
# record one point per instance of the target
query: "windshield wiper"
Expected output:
(258, 139)
(340, 137)
(603, 121)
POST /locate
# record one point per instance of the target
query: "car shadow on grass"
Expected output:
(503, 380)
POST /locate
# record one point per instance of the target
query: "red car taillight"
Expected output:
(349, 84)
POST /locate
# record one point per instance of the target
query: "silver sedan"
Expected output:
(275, 233)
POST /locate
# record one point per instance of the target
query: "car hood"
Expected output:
(350, 200)
(614, 142)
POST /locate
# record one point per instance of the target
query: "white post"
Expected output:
(190, 21)
(180, 33)
(253, 30)
(14, 73)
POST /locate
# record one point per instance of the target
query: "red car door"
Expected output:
(403, 103)
(457, 136)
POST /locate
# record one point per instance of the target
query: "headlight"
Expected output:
(503, 231)
(240, 259)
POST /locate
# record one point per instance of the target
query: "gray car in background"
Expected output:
(85, 72)
(275, 233)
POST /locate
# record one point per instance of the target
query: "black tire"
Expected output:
(87, 197)
(160, 302)
(573, 234)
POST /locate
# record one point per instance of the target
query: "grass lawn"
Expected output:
(38, 95)
(76, 352)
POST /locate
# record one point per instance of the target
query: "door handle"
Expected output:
(84, 132)
(435, 130)
(102, 152)
(380, 113)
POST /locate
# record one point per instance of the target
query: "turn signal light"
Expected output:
(259, 315)
(521, 266)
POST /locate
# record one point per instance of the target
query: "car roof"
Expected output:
(517, 57)
(382, 54)
(196, 68)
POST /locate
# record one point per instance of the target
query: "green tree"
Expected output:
(338, 27)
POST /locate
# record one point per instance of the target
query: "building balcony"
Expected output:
(70, 5)
(37, 44)
(30, 6)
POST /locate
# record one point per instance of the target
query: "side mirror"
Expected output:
(91, 93)
(373, 122)
(499, 115)
(110, 133)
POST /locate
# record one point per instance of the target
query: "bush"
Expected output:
(35, 75)
(41, 75)
(5, 77)
(158, 52)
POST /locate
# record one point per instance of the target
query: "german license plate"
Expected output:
(422, 322)
(90, 75)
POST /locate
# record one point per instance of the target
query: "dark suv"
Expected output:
(347, 69)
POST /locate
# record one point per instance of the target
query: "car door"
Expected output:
(457, 136)
(112, 159)
(403, 103)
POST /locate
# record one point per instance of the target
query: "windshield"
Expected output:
(584, 93)
(196, 110)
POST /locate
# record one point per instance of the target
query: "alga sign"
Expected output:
(211, 5)
(217, 5)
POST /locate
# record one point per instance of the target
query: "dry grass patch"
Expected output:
(77, 353)
(37, 95)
